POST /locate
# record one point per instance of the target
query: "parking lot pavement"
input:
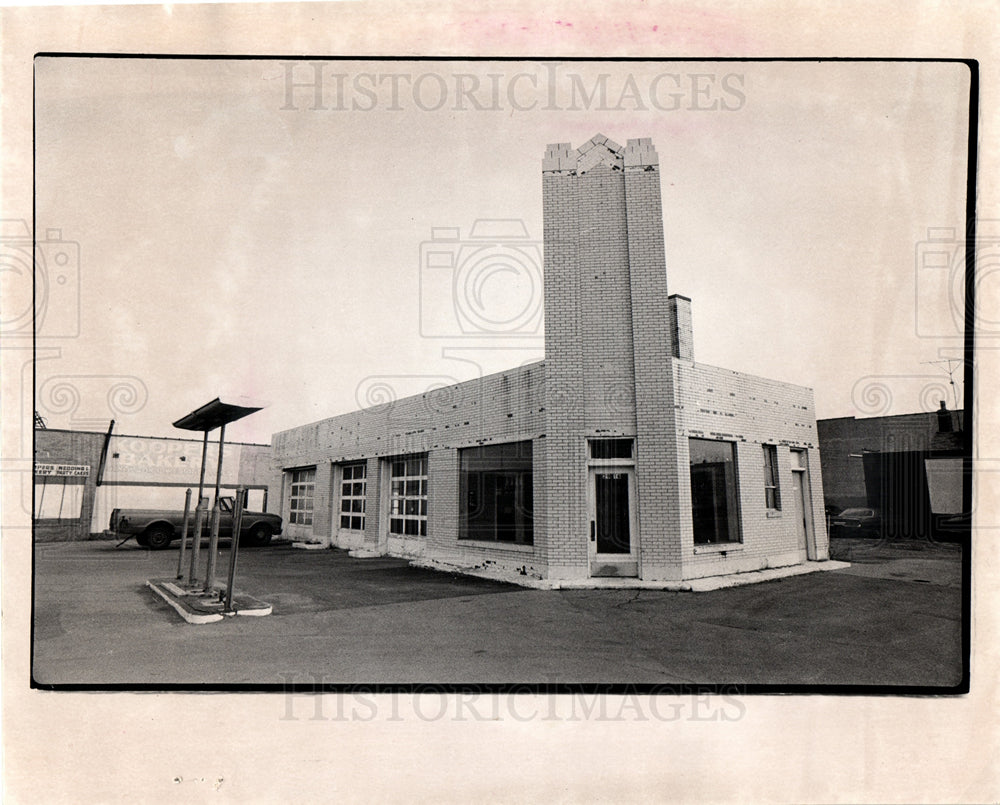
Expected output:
(918, 561)
(343, 620)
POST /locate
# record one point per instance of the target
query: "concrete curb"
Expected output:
(195, 607)
(706, 584)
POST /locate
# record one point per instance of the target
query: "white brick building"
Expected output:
(618, 455)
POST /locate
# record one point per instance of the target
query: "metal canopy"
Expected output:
(213, 415)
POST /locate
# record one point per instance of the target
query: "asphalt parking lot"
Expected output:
(892, 619)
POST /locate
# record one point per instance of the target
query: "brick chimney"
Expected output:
(681, 333)
(945, 425)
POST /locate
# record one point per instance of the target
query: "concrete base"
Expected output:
(195, 606)
(699, 585)
(310, 546)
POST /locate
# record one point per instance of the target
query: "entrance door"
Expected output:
(802, 502)
(612, 522)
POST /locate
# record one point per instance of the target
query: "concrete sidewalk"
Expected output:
(343, 620)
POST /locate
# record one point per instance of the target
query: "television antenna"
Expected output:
(949, 365)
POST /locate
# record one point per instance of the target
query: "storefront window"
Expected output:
(496, 502)
(714, 500)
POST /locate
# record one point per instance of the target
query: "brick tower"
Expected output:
(610, 333)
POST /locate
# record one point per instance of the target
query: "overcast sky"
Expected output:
(245, 231)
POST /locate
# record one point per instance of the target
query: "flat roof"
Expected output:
(214, 414)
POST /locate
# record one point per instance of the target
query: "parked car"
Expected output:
(157, 528)
(856, 523)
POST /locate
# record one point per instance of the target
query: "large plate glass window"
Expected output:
(495, 494)
(408, 496)
(714, 499)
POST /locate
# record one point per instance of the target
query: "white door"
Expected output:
(612, 522)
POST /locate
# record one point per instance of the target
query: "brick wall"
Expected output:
(79, 448)
(502, 407)
(715, 403)
(840, 438)
(660, 502)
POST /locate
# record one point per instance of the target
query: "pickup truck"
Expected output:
(157, 528)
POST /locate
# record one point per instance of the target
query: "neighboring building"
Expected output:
(81, 476)
(66, 469)
(618, 455)
(909, 467)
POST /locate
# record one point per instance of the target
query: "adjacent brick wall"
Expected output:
(78, 448)
(840, 438)
(715, 403)
(502, 407)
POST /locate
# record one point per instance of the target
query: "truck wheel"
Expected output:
(159, 536)
(258, 536)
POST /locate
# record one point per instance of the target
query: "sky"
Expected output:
(262, 228)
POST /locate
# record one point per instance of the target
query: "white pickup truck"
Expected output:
(157, 528)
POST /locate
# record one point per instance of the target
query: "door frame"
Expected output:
(624, 560)
(804, 498)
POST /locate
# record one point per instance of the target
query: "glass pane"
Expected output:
(411, 527)
(345, 521)
(612, 515)
(357, 523)
(611, 448)
(396, 525)
(713, 491)
(357, 505)
(358, 489)
(492, 500)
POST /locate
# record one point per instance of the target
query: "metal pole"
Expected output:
(199, 515)
(213, 538)
(184, 533)
(234, 548)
